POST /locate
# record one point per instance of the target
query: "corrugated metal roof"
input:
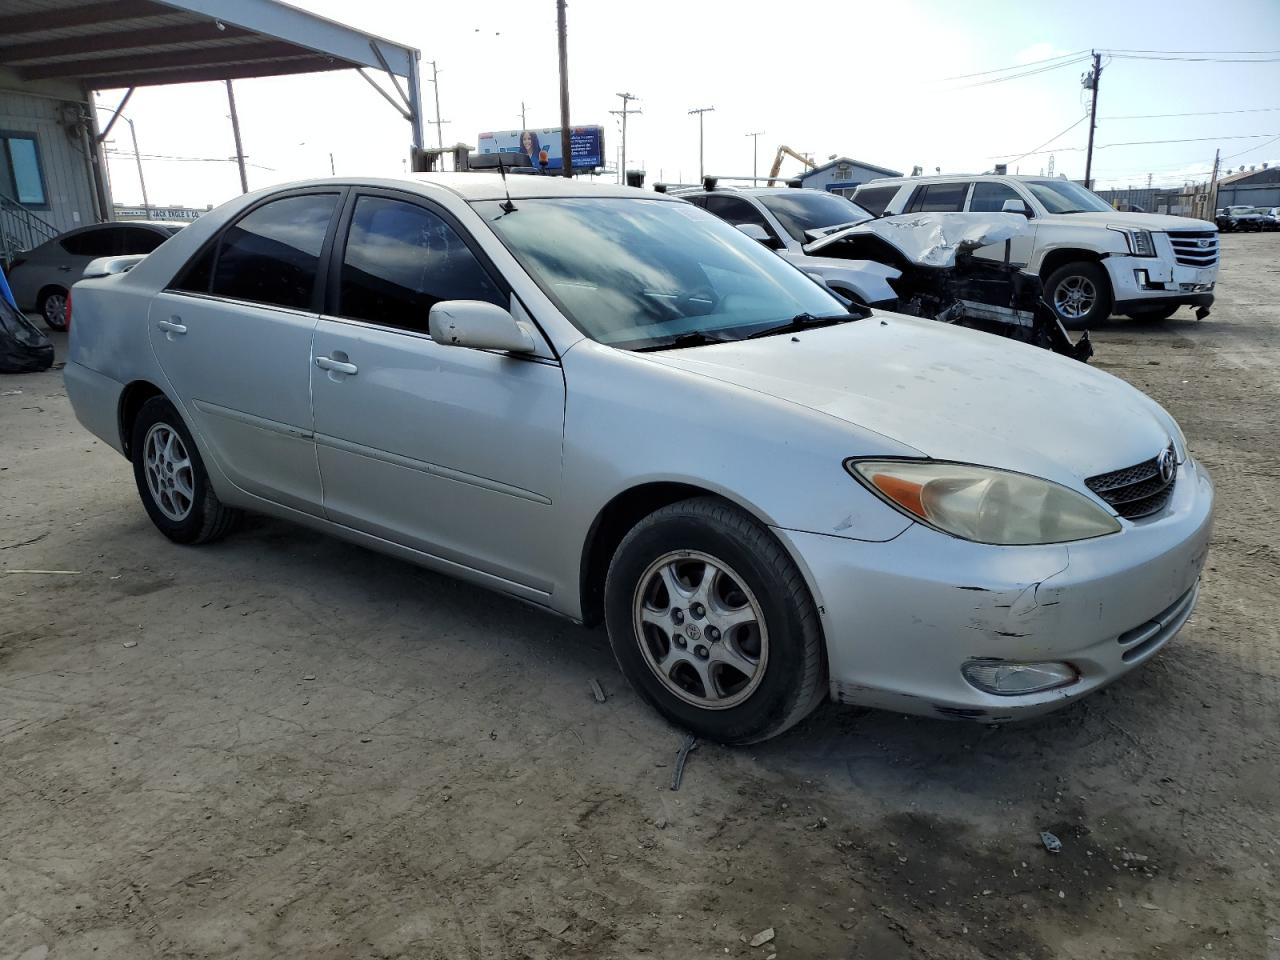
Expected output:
(126, 43)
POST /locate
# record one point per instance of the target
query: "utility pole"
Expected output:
(626, 98)
(146, 204)
(1091, 84)
(700, 111)
(332, 172)
(755, 153)
(566, 141)
(235, 129)
(435, 82)
(1212, 198)
(523, 126)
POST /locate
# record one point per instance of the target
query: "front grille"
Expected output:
(1188, 252)
(1136, 491)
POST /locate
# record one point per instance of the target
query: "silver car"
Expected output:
(41, 277)
(615, 406)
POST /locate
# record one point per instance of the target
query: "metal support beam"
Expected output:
(114, 117)
(415, 102)
(235, 71)
(395, 81)
(386, 96)
(140, 40)
(132, 63)
(80, 15)
(235, 129)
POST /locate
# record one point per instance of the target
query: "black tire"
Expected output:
(206, 519)
(52, 306)
(1155, 316)
(794, 675)
(1091, 274)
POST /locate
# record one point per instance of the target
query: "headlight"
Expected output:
(1139, 241)
(984, 504)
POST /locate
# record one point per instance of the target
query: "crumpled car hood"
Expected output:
(933, 239)
(950, 393)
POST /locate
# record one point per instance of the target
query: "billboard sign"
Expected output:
(543, 146)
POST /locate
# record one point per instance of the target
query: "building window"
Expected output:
(21, 178)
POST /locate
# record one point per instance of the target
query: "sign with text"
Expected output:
(542, 147)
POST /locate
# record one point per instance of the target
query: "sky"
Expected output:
(876, 82)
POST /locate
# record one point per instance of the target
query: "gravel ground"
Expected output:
(282, 746)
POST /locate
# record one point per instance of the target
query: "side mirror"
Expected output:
(755, 232)
(478, 325)
(1016, 206)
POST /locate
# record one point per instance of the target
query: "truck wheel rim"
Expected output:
(1075, 297)
(170, 476)
(701, 630)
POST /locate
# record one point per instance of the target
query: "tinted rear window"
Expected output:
(875, 199)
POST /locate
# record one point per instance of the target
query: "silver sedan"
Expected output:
(617, 407)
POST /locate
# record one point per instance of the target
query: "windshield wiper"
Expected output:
(695, 339)
(802, 321)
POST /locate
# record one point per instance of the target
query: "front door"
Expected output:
(233, 336)
(451, 451)
(989, 196)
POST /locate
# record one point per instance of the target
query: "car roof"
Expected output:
(488, 186)
(950, 177)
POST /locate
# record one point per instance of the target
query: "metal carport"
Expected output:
(113, 44)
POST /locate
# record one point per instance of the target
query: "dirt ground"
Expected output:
(285, 746)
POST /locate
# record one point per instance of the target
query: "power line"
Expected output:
(1137, 56)
(1140, 143)
(1045, 144)
(1016, 66)
(1202, 113)
(1251, 149)
(1019, 76)
(1222, 52)
(161, 156)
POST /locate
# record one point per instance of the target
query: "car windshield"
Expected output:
(636, 273)
(801, 210)
(1063, 196)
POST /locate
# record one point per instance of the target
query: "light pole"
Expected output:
(626, 99)
(755, 154)
(700, 111)
(146, 204)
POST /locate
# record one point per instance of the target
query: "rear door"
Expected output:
(450, 451)
(233, 336)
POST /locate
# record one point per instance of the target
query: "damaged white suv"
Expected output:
(1093, 260)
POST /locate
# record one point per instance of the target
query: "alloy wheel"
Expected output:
(55, 310)
(1075, 297)
(701, 630)
(169, 471)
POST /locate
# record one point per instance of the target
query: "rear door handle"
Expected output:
(337, 366)
(65, 269)
(172, 326)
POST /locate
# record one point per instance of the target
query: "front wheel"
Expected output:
(1079, 294)
(53, 307)
(712, 623)
(171, 478)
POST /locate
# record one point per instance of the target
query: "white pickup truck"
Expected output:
(1093, 260)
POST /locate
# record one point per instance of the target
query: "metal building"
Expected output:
(54, 53)
(843, 176)
(1256, 188)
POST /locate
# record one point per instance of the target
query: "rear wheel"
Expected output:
(1080, 294)
(52, 305)
(712, 623)
(171, 478)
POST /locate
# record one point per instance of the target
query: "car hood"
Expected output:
(949, 393)
(932, 239)
(1133, 221)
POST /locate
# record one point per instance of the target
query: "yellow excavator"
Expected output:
(784, 150)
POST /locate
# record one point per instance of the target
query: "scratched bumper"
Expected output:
(902, 617)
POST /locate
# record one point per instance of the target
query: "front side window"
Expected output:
(21, 177)
(938, 198)
(875, 199)
(800, 211)
(1063, 196)
(989, 197)
(735, 210)
(638, 273)
(269, 256)
(400, 260)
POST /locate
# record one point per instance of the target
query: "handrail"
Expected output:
(21, 229)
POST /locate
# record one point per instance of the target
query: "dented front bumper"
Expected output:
(902, 617)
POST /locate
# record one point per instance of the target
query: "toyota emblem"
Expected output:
(1166, 463)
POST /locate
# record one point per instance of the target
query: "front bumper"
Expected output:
(902, 617)
(1139, 283)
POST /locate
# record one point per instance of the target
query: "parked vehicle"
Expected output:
(1244, 217)
(921, 266)
(42, 276)
(1224, 221)
(612, 405)
(1270, 217)
(1092, 259)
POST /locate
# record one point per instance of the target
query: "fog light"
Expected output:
(1141, 277)
(1011, 679)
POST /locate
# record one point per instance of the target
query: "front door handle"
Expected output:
(172, 326)
(337, 366)
(65, 268)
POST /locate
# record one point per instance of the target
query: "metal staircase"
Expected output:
(20, 229)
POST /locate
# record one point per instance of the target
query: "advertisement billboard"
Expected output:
(543, 146)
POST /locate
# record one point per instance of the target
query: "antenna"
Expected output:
(507, 206)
